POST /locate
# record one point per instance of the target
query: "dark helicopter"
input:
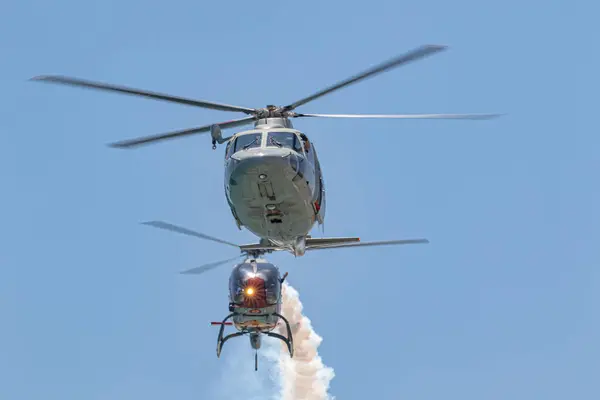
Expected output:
(255, 289)
(255, 301)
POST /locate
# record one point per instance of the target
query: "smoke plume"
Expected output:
(303, 377)
(239, 380)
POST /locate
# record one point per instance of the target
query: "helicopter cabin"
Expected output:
(309, 172)
(254, 294)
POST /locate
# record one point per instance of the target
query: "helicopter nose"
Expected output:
(265, 164)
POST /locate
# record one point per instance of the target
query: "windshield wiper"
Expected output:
(275, 142)
(250, 144)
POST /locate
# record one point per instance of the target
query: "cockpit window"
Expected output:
(284, 139)
(248, 141)
(256, 289)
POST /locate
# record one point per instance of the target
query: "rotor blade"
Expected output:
(175, 134)
(153, 95)
(208, 267)
(185, 231)
(413, 55)
(366, 244)
(404, 116)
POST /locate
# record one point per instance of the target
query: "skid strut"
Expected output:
(220, 339)
(289, 341)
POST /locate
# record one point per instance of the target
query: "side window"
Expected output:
(308, 148)
(305, 141)
(228, 150)
(247, 141)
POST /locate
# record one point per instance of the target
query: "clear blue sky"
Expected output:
(503, 304)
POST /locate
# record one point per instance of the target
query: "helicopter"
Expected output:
(255, 290)
(255, 304)
(273, 180)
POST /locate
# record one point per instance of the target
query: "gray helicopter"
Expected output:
(273, 180)
(255, 291)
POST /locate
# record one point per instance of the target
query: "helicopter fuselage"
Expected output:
(274, 184)
(255, 296)
(255, 302)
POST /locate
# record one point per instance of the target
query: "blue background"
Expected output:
(503, 304)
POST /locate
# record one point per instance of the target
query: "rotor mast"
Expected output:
(273, 117)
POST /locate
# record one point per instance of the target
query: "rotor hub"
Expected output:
(271, 111)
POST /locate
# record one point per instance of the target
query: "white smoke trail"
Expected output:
(303, 377)
(238, 378)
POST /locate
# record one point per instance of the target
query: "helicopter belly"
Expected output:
(260, 319)
(271, 199)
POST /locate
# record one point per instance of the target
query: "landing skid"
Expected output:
(289, 341)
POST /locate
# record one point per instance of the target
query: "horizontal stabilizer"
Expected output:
(333, 243)
(310, 243)
(256, 249)
(330, 241)
(337, 245)
(259, 247)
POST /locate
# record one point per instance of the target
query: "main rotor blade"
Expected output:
(413, 55)
(175, 134)
(207, 267)
(367, 244)
(185, 231)
(404, 116)
(138, 92)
